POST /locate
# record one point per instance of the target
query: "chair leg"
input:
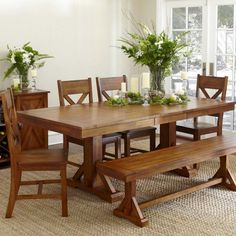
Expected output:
(127, 145)
(153, 141)
(196, 137)
(14, 188)
(64, 192)
(117, 148)
(103, 150)
(65, 145)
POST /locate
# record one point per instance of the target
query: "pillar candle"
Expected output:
(34, 73)
(146, 80)
(16, 82)
(184, 75)
(123, 87)
(134, 85)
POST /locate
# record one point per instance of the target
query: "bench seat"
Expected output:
(130, 169)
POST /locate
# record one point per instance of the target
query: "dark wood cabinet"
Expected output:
(31, 137)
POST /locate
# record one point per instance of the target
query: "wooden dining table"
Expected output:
(91, 121)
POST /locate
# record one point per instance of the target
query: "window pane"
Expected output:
(194, 64)
(230, 91)
(195, 17)
(179, 16)
(180, 66)
(195, 41)
(227, 124)
(225, 41)
(176, 33)
(225, 16)
(224, 66)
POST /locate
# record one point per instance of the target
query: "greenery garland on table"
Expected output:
(174, 99)
(117, 101)
(137, 99)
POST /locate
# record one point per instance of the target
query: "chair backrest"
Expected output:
(107, 84)
(74, 91)
(212, 87)
(12, 126)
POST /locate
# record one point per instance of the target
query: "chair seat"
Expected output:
(106, 139)
(194, 125)
(42, 158)
(110, 138)
(135, 133)
(75, 140)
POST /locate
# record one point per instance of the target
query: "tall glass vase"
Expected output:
(157, 82)
(24, 81)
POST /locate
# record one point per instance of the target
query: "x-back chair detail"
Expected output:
(76, 92)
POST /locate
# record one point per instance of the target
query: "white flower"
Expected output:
(173, 97)
(159, 63)
(180, 92)
(158, 44)
(13, 61)
(26, 58)
(139, 53)
(116, 96)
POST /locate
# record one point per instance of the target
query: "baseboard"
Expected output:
(54, 138)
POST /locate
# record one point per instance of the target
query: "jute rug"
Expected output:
(207, 212)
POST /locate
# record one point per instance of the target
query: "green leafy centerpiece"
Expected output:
(172, 99)
(117, 101)
(157, 51)
(21, 60)
(135, 98)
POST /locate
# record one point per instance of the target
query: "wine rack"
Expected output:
(4, 152)
(31, 137)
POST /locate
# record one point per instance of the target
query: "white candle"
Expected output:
(16, 82)
(184, 75)
(34, 72)
(134, 85)
(146, 80)
(123, 87)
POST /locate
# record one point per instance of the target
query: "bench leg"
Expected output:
(129, 207)
(223, 172)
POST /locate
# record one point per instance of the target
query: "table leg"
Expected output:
(168, 139)
(167, 135)
(91, 182)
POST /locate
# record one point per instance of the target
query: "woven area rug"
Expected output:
(207, 212)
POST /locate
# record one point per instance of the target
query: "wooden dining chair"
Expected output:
(209, 87)
(105, 86)
(31, 160)
(76, 92)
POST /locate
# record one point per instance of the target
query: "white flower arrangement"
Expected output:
(22, 59)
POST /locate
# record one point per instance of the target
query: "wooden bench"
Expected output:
(130, 169)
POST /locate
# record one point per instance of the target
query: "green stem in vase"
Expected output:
(157, 80)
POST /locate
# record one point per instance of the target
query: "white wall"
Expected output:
(80, 34)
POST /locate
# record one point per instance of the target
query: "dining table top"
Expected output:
(95, 119)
